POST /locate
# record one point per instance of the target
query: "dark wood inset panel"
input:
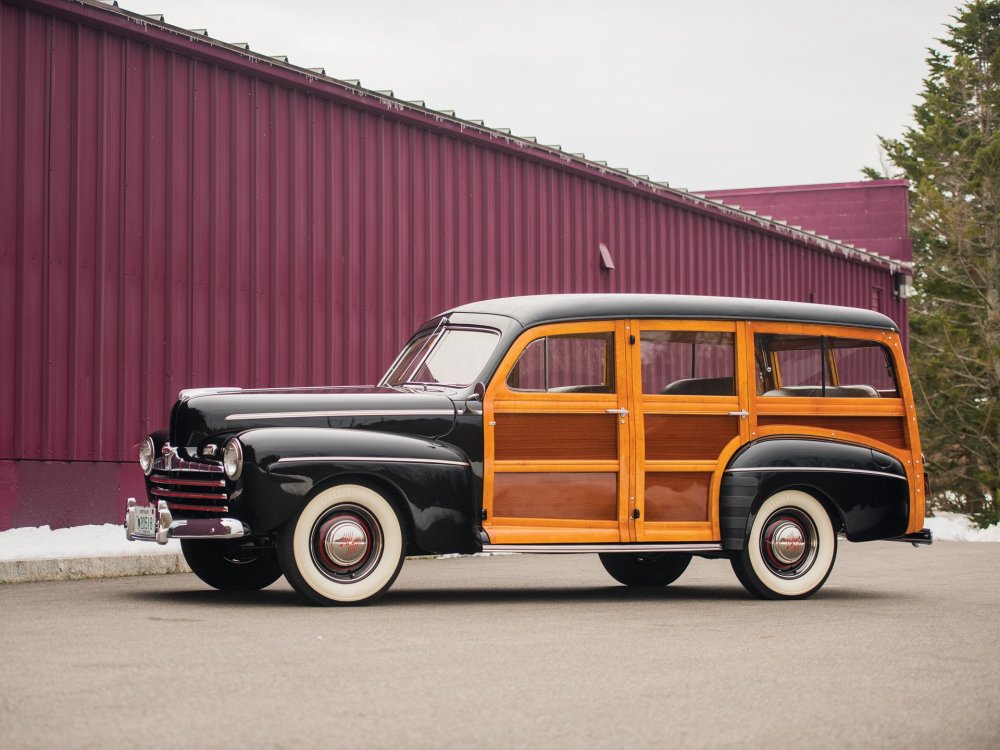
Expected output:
(677, 496)
(890, 430)
(691, 437)
(555, 437)
(590, 497)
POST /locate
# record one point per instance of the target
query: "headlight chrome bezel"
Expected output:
(232, 458)
(147, 455)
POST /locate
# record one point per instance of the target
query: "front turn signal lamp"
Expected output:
(232, 458)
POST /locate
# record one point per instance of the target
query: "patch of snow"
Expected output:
(44, 543)
(108, 540)
(954, 527)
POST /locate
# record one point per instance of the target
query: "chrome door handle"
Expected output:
(621, 412)
(741, 413)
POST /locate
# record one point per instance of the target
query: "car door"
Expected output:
(689, 410)
(557, 432)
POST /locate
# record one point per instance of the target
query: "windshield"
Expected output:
(452, 356)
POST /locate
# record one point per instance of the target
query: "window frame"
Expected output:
(500, 390)
(828, 363)
(609, 366)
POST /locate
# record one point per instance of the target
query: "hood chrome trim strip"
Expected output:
(342, 413)
(374, 459)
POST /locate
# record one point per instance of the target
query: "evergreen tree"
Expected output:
(952, 159)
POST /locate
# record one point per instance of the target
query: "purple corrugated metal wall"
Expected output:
(874, 214)
(174, 214)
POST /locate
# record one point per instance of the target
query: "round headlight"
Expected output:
(232, 458)
(146, 453)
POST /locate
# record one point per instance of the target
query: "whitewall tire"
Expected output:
(790, 548)
(346, 546)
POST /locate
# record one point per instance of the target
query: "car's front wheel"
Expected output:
(345, 546)
(230, 567)
(644, 569)
(790, 548)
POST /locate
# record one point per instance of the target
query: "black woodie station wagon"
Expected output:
(643, 428)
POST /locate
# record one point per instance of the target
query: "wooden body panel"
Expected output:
(677, 496)
(687, 437)
(590, 496)
(888, 430)
(556, 436)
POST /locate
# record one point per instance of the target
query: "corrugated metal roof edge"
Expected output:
(825, 186)
(420, 114)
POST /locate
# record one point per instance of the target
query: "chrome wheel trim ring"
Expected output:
(789, 543)
(346, 543)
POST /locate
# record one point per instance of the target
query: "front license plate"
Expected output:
(145, 520)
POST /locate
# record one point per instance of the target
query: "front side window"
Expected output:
(450, 356)
(823, 366)
(570, 363)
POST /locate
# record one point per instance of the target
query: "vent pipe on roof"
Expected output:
(606, 262)
(903, 285)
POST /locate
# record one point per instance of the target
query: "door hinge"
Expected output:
(482, 514)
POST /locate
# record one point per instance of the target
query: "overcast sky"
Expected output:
(721, 94)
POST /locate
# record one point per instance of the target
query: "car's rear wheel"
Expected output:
(345, 546)
(229, 566)
(645, 569)
(790, 548)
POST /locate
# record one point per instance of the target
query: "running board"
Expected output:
(583, 548)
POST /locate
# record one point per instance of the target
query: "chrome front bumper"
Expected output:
(188, 528)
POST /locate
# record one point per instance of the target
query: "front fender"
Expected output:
(431, 481)
(865, 490)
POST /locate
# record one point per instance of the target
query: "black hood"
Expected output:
(204, 416)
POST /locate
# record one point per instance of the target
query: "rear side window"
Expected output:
(868, 363)
(573, 363)
(823, 366)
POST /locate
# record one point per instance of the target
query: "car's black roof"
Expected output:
(551, 308)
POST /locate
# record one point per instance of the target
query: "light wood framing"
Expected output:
(560, 469)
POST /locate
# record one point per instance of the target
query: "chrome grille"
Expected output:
(188, 485)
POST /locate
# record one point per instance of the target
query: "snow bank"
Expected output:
(954, 527)
(44, 543)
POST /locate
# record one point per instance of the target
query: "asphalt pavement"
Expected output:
(900, 649)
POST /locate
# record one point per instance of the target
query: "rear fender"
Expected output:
(864, 490)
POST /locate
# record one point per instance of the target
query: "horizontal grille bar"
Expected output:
(220, 498)
(165, 479)
(203, 508)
